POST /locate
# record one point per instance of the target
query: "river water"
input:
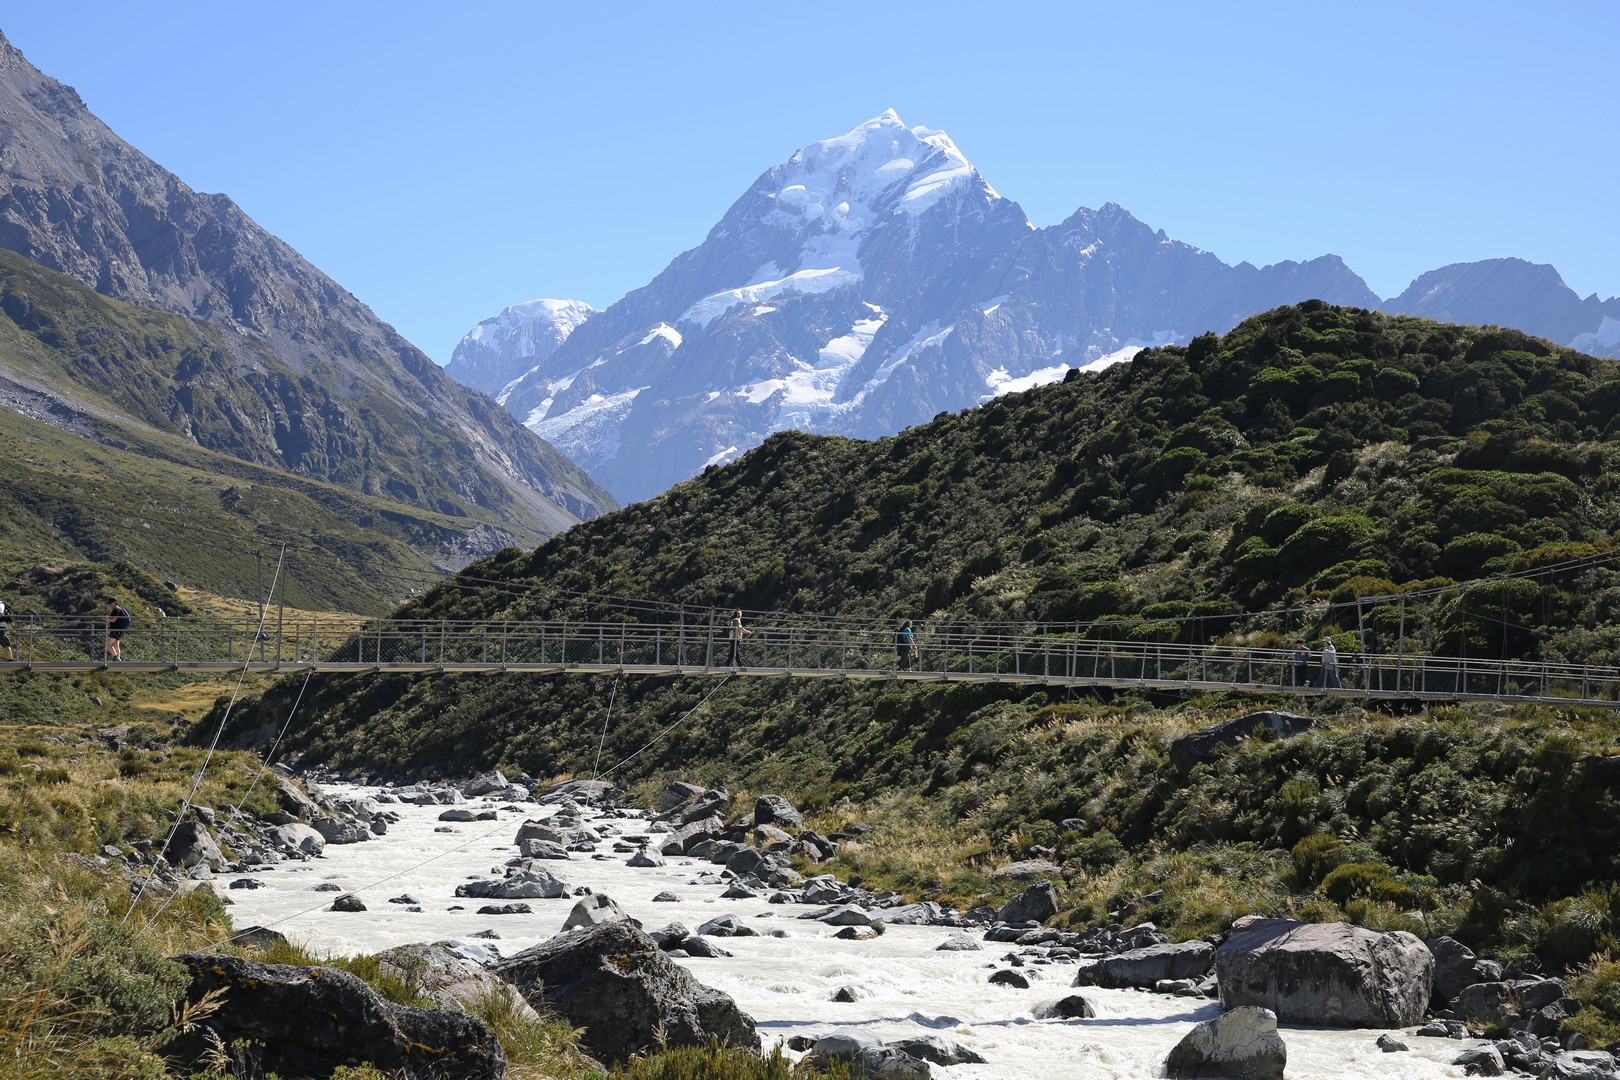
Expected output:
(903, 985)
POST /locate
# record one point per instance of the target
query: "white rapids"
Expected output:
(903, 985)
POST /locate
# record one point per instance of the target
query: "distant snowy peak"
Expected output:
(813, 220)
(505, 347)
(881, 164)
(536, 324)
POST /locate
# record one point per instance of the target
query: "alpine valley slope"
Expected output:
(1314, 455)
(876, 279)
(290, 371)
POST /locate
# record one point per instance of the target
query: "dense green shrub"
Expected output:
(1314, 856)
(1366, 881)
(1597, 987)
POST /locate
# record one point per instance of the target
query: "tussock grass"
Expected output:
(718, 1063)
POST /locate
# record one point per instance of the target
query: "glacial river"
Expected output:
(903, 985)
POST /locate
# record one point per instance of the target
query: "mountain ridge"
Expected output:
(334, 392)
(806, 307)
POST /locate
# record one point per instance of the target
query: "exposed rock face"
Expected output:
(678, 792)
(1146, 967)
(1203, 744)
(310, 1021)
(299, 374)
(1325, 974)
(1242, 1045)
(628, 996)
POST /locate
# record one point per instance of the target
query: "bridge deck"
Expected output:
(1024, 655)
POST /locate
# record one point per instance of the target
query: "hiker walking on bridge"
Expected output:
(905, 646)
(1329, 678)
(117, 623)
(735, 631)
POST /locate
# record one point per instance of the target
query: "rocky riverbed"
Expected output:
(795, 977)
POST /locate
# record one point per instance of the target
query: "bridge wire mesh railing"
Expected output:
(971, 651)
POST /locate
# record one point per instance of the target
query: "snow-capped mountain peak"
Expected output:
(878, 164)
(505, 347)
(868, 282)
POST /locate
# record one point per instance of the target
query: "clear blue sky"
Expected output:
(442, 161)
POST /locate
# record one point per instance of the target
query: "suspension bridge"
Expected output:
(960, 652)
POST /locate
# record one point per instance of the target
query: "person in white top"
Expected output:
(1330, 666)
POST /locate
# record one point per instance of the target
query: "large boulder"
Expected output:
(545, 830)
(1241, 1045)
(1146, 967)
(193, 845)
(616, 983)
(775, 810)
(938, 1050)
(598, 909)
(296, 838)
(1456, 967)
(748, 862)
(1035, 904)
(689, 835)
(486, 783)
(1072, 1007)
(522, 882)
(342, 830)
(1485, 1003)
(715, 803)
(677, 792)
(1325, 974)
(450, 979)
(1026, 870)
(310, 1021)
(294, 801)
(587, 792)
(841, 1044)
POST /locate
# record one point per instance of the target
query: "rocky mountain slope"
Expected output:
(103, 467)
(295, 373)
(876, 279)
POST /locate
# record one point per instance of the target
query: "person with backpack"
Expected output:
(5, 632)
(1302, 664)
(117, 624)
(905, 646)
